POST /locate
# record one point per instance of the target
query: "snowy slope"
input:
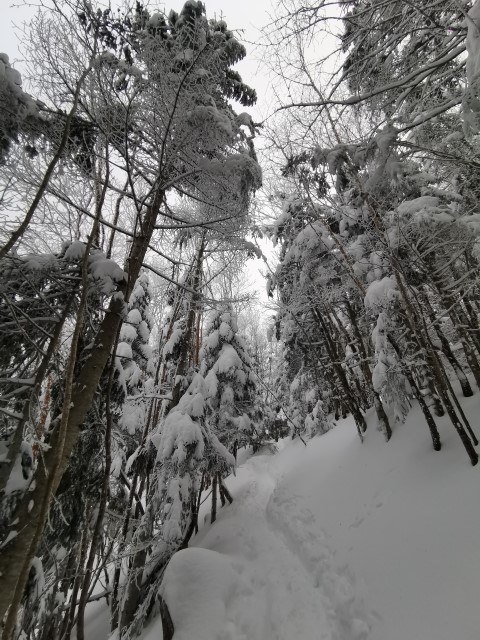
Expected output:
(339, 541)
(405, 520)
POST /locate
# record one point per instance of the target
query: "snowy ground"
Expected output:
(339, 541)
(270, 573)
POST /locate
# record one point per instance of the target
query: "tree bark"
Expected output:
(167, 622)
(224, 491)
(213, 516)
(186, 349)
(135, 579)
(70, 614)
(97, 532)
(437, 445)
(350, 400)
(16, 556)
(6, 466)
(447, 351)
(438, 372)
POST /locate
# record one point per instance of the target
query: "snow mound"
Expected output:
(199, 612)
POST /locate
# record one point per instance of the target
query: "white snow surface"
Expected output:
(410, 207)
(76, 250)
(124, 350)
(338, 540)
(380, 293)
(227, 359)
(134, 316)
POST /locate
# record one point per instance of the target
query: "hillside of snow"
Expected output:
(338, 540)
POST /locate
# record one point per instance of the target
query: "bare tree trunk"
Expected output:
(167, 622)
(56, 624)
(97, 532)
(220, 491)
(425, 344)
(437, 445)
(459, 372)
(115, 605)
(447, 351)
(17, 555)
(6, 466)
(135, 575)
(70, 614)
(465, 337)
(213, 516)
(224, 491)
(382, 417)
(441, 377)
(192, 525)
(186, 349)
(349, 399)
(340, 355)
(428, 389)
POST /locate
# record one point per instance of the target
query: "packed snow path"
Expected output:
(271, 575)
(336, 541)
(339, 541)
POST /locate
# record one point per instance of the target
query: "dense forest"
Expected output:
(135, 185)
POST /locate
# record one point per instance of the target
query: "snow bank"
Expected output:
(338, 540)
(401, 519)
(197, 612)
(342, 541)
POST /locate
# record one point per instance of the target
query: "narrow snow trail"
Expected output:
(282, 583)
(315, 531)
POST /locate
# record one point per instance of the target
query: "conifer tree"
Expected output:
(187, 451)
(233, 402)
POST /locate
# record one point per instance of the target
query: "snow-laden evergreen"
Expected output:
(187, 448)
(233, 397)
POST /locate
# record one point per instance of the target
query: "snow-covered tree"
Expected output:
(135, 368)
(187, 447)
(155, 90)
(19, 111)
(317, 421)
(187, 452)
(233, 399)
